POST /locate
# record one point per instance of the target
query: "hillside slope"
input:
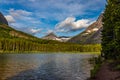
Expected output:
(8, 32)
(91, 35)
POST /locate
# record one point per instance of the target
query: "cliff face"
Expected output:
(96, 25)
(91, 35)
(95, 38)
(2, 19)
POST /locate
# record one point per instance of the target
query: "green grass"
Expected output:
(117, 67)
(95, 70)
(97, 62)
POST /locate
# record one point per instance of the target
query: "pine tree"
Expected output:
(111, 30)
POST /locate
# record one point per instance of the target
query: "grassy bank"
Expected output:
(96, 62)
(47, 52)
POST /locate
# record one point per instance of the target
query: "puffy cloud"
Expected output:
(65, 8)
(23, 15)
(49, 31)
(30, 30)
(35, 31)
(22, 20)
(10, 19)
(19, 12)
(41, 10)
(70, 24)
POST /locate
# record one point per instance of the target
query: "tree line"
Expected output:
(21, 45)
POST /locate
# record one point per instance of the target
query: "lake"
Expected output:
(45, 66)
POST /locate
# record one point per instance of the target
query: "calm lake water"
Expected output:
(44, 66)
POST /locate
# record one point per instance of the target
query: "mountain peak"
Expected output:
(3, 19)
(91, 35)
(100, 17)
(51, 34)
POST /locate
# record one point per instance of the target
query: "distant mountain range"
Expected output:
(8, 32)
(91, 35)
(52, 36)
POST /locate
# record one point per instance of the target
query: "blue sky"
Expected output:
(40, 17)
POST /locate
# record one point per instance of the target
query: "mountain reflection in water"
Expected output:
(45, 66)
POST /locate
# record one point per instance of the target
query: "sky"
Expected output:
(41, 17)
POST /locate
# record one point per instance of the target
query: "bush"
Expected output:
(96, 61)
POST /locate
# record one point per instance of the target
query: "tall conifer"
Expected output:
(111, 30)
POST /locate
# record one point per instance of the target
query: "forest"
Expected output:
(22, 45)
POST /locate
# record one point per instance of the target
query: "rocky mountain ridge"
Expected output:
(3, 19)
(91, 35)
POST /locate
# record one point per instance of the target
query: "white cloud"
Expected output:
(30, 30)
(70, 24)
(45, 12)
(22, 20)
(20, 14)
(60, 8)
(35, 31)
(24, 16)
(21, 17)
(49, 31)
(83, 23)
(32, 0)
(65, 8)
(10, 19)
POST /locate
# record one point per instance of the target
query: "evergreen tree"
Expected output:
(111, 30)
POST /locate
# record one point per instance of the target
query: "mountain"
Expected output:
(91, 35)
(12, 40)
(8, 32)
(64, 38)
(2, 19)
(52, 36)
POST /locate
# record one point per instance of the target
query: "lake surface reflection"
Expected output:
(45, 66)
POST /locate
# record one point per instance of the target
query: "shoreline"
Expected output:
(107, 71)
(47, 52)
